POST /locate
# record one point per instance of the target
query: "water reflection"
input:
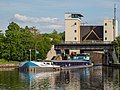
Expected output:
(40, 81)
(111, 78)
(96, 78)
(76, 79)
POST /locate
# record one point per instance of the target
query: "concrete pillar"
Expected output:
(106, 59)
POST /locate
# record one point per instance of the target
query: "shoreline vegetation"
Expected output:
(3, 61)
(26, 43)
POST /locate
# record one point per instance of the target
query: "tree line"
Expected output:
(16, 43)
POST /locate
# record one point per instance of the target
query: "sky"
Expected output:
(47, 15)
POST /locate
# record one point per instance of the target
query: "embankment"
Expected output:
(8, 65)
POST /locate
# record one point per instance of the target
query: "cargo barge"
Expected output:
(77, 61)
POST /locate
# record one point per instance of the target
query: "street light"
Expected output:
(30, 54)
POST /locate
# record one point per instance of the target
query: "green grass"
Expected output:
(3, 61)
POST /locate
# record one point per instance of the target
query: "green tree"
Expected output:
(17, 42)
(117, 46)
(1, 43)
(12, 42)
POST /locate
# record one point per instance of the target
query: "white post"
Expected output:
(30, 54)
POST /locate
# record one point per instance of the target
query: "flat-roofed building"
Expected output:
(72, 27)
(110, 29)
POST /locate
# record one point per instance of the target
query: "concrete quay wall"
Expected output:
(9, 65)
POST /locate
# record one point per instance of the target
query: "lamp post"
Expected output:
(30, 54)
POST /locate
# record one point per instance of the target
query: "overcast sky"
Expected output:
(48, 15)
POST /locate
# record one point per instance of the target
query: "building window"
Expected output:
(75, 23)
(75, 38)
(75, 31)
(105, 38)
(105, 31)
(105, 24)
(113, 27)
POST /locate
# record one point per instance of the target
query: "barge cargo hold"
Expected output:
(72, 64)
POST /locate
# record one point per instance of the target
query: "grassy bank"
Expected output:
(3, 61)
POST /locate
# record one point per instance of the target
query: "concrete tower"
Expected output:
(110, 31)
(72, 27)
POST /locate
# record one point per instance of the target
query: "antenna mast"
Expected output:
(114, 22)
(115, 7)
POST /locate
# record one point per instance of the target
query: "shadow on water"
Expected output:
(96, 78)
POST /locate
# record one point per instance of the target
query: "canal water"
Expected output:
(95, 78)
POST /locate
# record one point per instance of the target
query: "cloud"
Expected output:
(54, 27)
(35, 19)
(43, 24)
